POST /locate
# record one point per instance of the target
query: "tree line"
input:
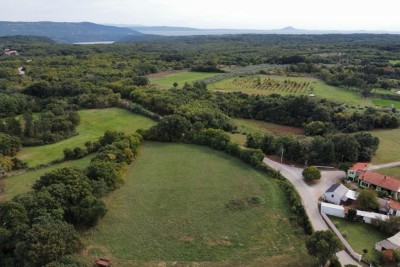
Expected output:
(337, 148)
(40, 227)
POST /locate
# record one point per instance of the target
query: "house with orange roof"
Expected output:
(352, 172)
(394, 208)
(360, 174)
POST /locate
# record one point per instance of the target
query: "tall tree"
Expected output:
(323, 245)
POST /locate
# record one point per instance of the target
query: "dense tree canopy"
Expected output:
(323, 245)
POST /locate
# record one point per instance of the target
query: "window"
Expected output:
(333, 196)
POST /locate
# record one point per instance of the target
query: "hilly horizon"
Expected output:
(67, 32)
(77, 32)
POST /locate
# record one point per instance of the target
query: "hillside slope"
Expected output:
(67, 32)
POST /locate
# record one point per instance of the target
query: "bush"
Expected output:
(311, 173)
(351, 215)
(257, 200)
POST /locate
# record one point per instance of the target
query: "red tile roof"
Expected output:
(394, 205)
(381, 180)
(358, 166)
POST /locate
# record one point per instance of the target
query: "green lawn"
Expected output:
(181, 78)
(389, 147)
(360, 236)
(248, 126)
(386, 103)
(394, 62)
(171, 211)
(320, 89)
(23, 182)
(238, 138)
(94, 123)
(394, 172)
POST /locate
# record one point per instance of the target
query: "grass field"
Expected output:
(167, 81)
(394, 62)
(360, 236)
(386, 103)
(389, 147)
(23, 182)
(394, 172)
(94, 123)
(270, 84)
(248, 126)
(171, 212)
(238, 138)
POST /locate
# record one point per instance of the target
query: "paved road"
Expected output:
(382, 166)
(310, 195)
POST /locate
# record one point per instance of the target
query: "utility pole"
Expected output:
(282, 155)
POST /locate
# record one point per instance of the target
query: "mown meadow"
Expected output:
(172, 209)
(94, 122)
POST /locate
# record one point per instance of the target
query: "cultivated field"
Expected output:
(389, 147)
(94, 123)
(167, 80)
(23, 182)
(171, 211)
(270, 84)
(248, 126)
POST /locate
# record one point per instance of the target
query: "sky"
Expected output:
(211, 14)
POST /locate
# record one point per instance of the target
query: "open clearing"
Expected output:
(284, 85)
(249, 126)
(360, 236)
(386, 103)
(394, 172)
(94, 122)
(389, 146)
(23, 182)
(394, 62)
(171, 210)
(181, 78)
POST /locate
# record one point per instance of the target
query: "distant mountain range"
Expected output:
(183, 31)
(67, 32)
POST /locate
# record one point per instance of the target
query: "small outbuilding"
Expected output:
(392, 243)
(338, 193)
(332, 209)
(367, 217)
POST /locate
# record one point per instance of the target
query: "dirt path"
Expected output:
(310, 195)
(383, 166)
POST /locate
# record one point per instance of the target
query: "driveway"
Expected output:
(310, 195)
(382, 166)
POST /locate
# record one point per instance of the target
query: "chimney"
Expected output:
(384, 177)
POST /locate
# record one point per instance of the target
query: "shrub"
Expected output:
(311, 173)
(257, 200)
(351, 215)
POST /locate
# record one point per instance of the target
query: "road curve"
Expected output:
(310, 195)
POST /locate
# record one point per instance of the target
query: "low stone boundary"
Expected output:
(354, 254)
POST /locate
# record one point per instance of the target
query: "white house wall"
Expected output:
(333, 210)
(332, 198)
